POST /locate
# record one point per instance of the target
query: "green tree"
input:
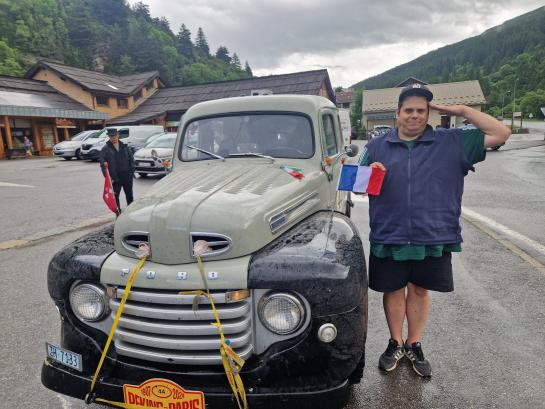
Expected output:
(248, 70)
(222, 53)
(184, 44)
(532, 102)
(201, 43)
(235, 61)
(126, 65)
(356, 110)
(9, 64)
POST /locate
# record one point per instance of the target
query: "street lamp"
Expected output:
(503, 100)
(514, 96)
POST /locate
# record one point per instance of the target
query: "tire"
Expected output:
(78, 155)
(143, 175)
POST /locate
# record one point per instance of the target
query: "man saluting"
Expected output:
(415, 221)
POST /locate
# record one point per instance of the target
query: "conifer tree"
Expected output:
(223, 54)
(202, 43)
(248, 69)
(183, 42)
(235, 61)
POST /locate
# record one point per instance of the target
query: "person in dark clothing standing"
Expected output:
(120, 165)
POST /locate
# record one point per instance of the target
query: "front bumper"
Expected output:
(92, 154)
(302, 371)
(65, 153)
(65, 381)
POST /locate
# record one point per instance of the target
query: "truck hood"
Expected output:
(233, 201)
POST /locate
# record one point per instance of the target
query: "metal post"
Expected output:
(514, 97)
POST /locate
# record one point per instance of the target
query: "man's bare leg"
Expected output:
(395, 309)
(418, 309)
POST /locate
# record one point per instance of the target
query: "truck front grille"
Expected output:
(162, 326)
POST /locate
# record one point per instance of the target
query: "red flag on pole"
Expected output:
(108, 194)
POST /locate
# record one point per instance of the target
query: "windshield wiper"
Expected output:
(252, 154)
(203, 151)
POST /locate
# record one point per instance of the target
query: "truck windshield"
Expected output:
(274, 135)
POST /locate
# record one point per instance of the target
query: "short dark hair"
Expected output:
(111, 131)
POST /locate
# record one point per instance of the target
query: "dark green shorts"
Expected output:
(432, 273)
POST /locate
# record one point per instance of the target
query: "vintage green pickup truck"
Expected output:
(256, 179)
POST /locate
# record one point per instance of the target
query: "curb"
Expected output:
(34, 238)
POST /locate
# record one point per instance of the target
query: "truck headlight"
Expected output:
(89, 302)
(281, 313)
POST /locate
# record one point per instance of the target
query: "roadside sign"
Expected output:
(517, 114)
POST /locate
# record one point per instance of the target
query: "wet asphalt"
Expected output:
(484, 340)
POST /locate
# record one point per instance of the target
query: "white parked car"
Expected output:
(72, 148)
(130, 135)
(149, 160)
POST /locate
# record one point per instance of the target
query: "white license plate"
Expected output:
(63, 356)
(144, 164)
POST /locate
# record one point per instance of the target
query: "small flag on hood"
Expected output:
(297, 173)
(361, 179)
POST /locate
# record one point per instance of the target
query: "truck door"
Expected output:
(332, 152)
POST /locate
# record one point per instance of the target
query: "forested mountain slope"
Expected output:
(109, 36)
(511, 52)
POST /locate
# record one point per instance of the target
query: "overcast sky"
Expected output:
(353, 39)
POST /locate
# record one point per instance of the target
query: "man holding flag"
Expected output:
(414, 221)
(117, 163)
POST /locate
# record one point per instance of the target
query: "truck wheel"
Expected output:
(143, 175)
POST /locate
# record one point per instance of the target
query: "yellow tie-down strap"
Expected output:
(232, 362)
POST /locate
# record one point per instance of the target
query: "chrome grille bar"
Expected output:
(172, 357)
(161, 326)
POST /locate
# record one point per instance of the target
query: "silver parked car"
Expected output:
(149, 159)
(72, 148)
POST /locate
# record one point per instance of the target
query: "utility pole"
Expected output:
(514, 96)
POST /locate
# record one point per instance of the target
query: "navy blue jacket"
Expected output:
(421, 198)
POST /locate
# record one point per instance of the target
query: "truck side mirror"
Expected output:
(351, 150)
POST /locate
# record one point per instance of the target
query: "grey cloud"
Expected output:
(264, 32)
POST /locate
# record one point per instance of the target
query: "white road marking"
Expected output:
(5, 184)
(503, 229)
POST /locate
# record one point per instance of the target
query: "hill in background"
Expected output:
(511, 52)
(108, 36)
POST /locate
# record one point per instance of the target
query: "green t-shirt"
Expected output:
(474, 150)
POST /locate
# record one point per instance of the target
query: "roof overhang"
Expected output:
(11, 110)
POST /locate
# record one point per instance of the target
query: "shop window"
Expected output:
(103, 101)
(122, 103)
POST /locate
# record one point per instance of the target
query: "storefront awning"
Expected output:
(43, 105)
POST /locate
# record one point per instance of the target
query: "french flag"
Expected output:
(361, 179)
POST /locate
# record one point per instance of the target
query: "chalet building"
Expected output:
(55, 101)
(111, 94)
(380, 105)
(38, 111)
(167, 105)
(344, 98)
